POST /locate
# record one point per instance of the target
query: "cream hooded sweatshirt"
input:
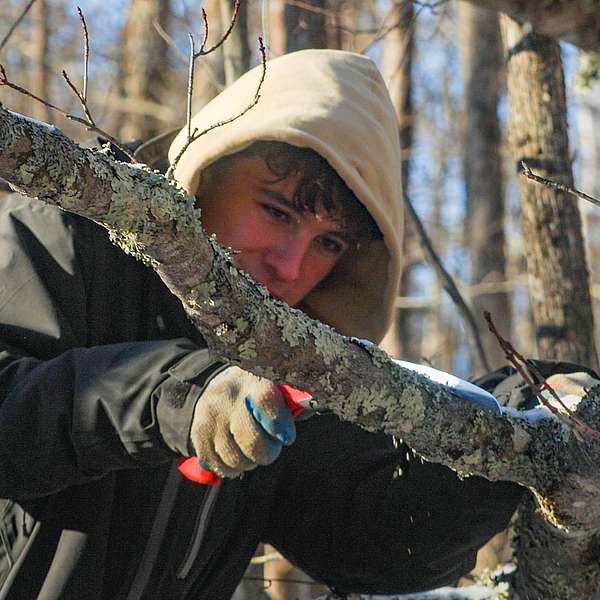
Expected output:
(337, 104)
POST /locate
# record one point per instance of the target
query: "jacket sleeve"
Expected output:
(362, 516)
(71, 411)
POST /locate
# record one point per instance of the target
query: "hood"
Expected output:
(337, 104)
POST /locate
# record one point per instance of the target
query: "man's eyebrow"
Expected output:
(343, 233)
(274, 195)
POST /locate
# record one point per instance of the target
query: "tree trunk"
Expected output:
(144, 65)
(559, 288)
(397, 58)
(305, 25)
(556, 264)
(482, 73)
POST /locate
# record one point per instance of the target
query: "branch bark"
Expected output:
(574, 21)
(151, 218)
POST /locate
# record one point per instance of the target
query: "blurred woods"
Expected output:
(468, 109)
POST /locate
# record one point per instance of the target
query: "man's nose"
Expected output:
(287, 256)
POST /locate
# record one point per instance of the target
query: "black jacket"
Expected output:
(99, 374)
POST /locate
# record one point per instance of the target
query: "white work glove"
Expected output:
(240, 421)
(570, 388)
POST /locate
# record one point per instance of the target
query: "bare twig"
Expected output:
(81, 99)
(190, 86)
(234, 14)
(169, 40)
(86, 55)
(382, 31)
(527, 172)
(527, 369)
(14, 26)
(205, 35)
(449, 285)
(82, 96)
(212, 76)
(194, 135)
(90, 126)
(88, 121)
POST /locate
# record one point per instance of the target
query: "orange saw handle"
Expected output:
(189, 466)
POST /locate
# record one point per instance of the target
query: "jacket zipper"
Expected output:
(157, 534)
(202, 523)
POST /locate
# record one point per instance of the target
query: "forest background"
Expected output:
(446, 69)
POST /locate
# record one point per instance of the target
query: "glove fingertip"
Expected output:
(282, 428)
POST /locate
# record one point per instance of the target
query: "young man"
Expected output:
(104, 384)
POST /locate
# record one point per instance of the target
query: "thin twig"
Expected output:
(190, 86)
(86, 55)
(527, 369)
(169, 40)
(14, 26)
(212, 76)
(383, 31)
(236, 10)
(5, 81)
(205, 35)
(89, 125)
(527, 172)
(194, 135)
(81, 99)
(448, 284)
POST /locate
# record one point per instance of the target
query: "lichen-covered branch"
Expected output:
(151, 218)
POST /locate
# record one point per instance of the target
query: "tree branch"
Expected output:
(151, 218)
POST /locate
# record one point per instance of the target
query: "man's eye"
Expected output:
(275, 212)
(333, 245)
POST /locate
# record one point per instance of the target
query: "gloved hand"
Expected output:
(240, 421)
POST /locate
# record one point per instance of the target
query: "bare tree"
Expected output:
(556, 264)
(305, 25)
(397, 60)
(482, 158)
(559, 282)
(144, 64)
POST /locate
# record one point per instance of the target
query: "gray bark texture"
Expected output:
(151, 218)
(574, 21)
(559, 288)
(553, 238)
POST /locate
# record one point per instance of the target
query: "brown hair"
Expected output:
(319, 186)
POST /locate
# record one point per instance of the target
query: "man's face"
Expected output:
(287, 251)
